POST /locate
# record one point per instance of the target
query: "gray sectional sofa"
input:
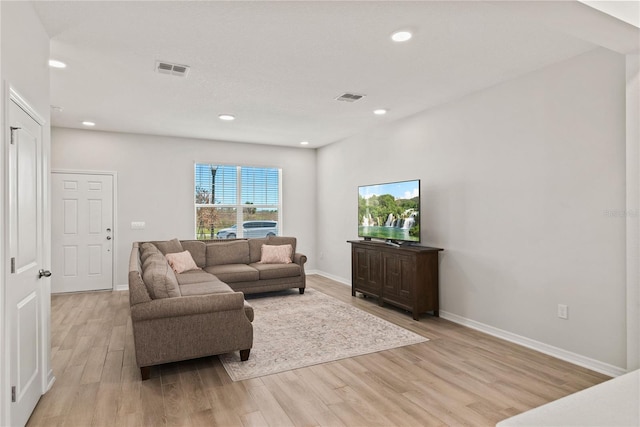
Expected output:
(201, 311)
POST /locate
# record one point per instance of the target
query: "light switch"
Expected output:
(138, 225)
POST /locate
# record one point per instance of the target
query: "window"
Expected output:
(226, 196)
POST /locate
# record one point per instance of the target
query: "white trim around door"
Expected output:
(114, 228)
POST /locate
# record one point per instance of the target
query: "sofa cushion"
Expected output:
(281, 240)
(255, 248)
(169, 246)
(198, 251)
(137, 289)
(236, 252)
(194, 276)
(181, 261)
(231, 273)
(152, 258)
(159, 278)
(276, 254)
(147, 249)
(204, 288)
(276, 271)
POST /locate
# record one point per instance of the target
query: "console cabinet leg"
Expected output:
(301, 290)
(244, 355)
(145, 372)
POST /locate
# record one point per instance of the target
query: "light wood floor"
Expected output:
(459, 377)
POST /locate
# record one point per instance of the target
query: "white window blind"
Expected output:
(226, 196)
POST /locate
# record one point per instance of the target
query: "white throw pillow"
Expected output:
(181, 261)
(276, 254)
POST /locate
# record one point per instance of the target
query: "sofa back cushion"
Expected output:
(159, 278)
(281, 240)
(255, 248)
(236, 252)
(198, 251)
(147, 249)
(137, 290)
(169, 246)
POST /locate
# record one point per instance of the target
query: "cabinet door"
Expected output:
(367, 271)
(399, 278)
(360, 267)
(375, 270)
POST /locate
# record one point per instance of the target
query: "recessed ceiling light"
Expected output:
(88, 123)
(57, 64)
(380, 112)
(227, 117)
(304, 142)
(401, 36)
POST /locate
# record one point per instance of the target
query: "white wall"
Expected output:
(523, 185)
(24, 52)
(155, 182)
(633, 211)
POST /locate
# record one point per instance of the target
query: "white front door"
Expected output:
(26, 243)
(82, 232)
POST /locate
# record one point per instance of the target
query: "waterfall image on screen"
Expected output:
(390, 211)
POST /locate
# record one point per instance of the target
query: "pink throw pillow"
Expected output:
(276, 254)
(181, 261)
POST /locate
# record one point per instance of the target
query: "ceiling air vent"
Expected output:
(350, 97)
(172, 69)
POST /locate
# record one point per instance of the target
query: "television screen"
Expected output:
(390, 211)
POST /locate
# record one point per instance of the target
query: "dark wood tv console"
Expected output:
(405, 276)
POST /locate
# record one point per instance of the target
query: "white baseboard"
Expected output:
(124, 287)
(346, 282)
(50, 380)
(576, 359)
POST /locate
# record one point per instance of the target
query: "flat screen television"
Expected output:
(390, 211)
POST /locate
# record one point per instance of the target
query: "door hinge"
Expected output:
(13, 393)
(13, 140)
(13, 265)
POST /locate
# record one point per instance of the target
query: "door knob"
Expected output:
(108, 237)
(43, 273)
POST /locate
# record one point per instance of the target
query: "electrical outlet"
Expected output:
(563, 311)
(138, 225)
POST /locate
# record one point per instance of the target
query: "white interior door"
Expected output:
(82, 232)
(26, 240)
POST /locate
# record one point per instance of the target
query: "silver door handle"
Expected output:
(108, 237)
(43, 273)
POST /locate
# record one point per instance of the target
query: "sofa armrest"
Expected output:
(186, 306)
(299, 258)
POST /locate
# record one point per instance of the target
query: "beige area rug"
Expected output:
(292, 331)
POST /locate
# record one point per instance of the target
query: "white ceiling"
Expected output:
(277, 66)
